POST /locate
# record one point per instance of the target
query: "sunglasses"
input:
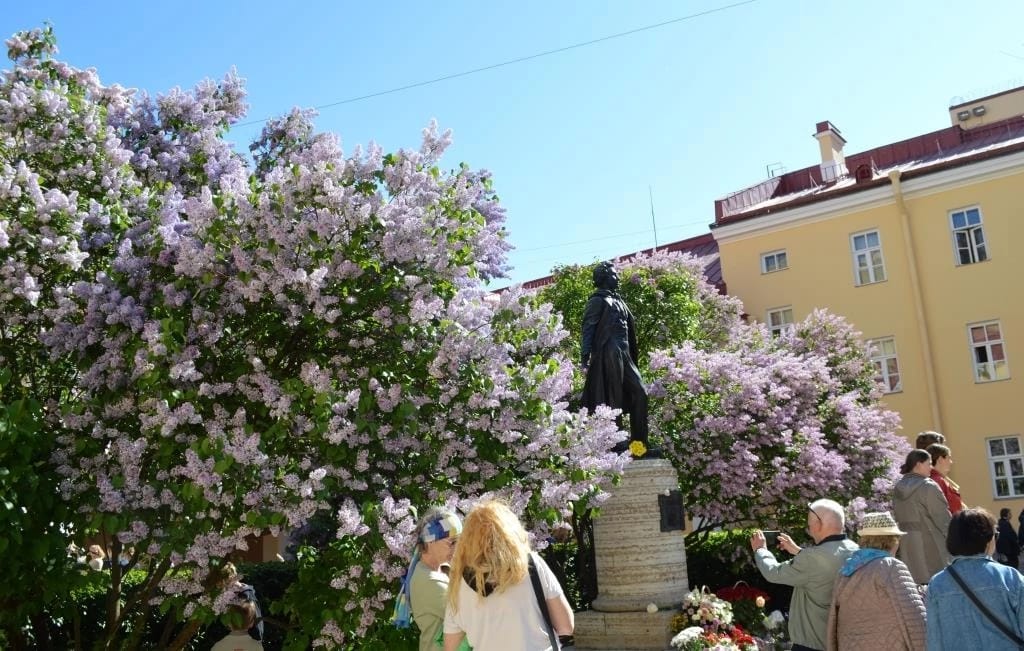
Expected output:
(820, 521)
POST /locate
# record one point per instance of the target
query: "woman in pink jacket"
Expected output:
(875, 602)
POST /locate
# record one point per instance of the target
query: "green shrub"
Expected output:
(724, 558)
(81, 615)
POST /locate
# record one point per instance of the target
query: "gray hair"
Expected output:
(830, 512)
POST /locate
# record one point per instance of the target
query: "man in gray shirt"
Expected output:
(812, 571)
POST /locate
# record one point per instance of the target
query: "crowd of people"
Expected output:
(932, 574)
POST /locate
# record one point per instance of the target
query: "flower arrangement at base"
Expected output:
(696, 638)
(748, 605)
(707, 621)
(703, 609)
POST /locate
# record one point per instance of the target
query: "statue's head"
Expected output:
(605, 276)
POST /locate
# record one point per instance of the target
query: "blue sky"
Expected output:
(695, 110)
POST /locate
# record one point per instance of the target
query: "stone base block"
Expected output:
(635, 631)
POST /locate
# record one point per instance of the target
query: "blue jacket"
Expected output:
(955, 623)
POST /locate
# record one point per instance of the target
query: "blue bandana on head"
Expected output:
(445, 525)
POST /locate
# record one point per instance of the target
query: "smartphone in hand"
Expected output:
(771, 538)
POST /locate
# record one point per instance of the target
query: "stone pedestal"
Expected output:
(637, 564)
(623, 631)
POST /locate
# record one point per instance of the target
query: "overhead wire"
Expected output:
(522, 59)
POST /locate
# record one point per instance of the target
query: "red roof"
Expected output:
(702, 247)
(930, 152)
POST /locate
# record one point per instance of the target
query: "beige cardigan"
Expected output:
(877, 607)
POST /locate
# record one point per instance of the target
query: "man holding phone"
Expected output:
(812, 571)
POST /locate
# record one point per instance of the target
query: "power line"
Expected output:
(530, 57)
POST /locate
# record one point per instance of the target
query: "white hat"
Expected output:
(879, 524)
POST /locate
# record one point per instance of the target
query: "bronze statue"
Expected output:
(609, 356)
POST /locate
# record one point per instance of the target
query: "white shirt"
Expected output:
(237, 641)
(510, 620)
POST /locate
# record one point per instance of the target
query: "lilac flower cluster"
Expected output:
(258, 343)
(770, 422)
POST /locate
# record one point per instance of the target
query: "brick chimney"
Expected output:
(833, 163)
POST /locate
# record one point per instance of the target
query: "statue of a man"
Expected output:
(609, 355)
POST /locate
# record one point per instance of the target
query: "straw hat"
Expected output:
(879, 524)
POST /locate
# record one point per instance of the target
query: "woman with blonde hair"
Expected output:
(494, 599)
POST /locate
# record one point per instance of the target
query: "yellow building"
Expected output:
(916, 244)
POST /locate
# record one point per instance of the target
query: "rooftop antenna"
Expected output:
(654, 224)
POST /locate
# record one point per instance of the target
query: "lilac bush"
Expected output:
(760, 428)
(65, 190)
(757, 426)
(268, 340)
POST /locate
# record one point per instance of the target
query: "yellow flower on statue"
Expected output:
(637, 449)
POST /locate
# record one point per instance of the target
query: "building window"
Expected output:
(1007, 466)
(988, 352)
(968, 236)
(774, 261)
(779, 319)
(887, 366)
(868, 265)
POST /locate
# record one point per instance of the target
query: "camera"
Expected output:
(771, 538)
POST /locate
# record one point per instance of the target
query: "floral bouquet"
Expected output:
(705, 610)
(696, 638)
(708, 621)
(747, 607)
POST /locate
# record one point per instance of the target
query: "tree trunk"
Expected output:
(41, 631)
(16, 638)
(113, 625)
(184, 636)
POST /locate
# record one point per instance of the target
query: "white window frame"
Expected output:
(1006, 467)
(865, 253)
(881, 359)
(971, 232)
(774, 256)
(778, 329)
(990, 370)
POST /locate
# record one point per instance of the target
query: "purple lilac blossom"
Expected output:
(259, 343)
